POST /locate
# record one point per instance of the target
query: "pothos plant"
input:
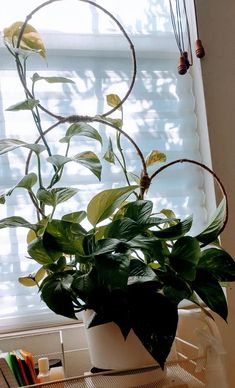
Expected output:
(134, 264)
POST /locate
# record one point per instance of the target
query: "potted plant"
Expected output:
(134, 264)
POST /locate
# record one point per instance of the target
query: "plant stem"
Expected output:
(58, 173)
(35, 203)
(138, 150)
(35, 114)
(37, 120)
(27, 91)
(123, 168)
(119, 146)
(37, 141)
(39, 172)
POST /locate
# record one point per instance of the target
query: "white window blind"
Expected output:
(86, 46)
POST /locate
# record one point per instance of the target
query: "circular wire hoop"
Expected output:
(124, 33)
(211, 172)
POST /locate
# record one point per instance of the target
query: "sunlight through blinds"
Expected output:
(159, 114)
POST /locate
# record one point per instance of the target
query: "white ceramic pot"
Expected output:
(109, 350)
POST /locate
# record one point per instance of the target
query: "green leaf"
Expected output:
(2, 198)
(155, 156)
(154, 250)
(177, 290)
(194, 298)
(56, 293)
(176, 231)
(113, 100)
(219, 263)
(211, 232)
(134, 177)
(108, 245)
(75, 217)
(184, 257)
(55, 196)
(24, 105)
(37, 148)
(140, 272)
(28, 181)
(112, 270)
(123, 229)
(210, 291)
(52, 80)
(64, 236)
(156, 325)
(89, 160)
(109, 154)
(138, 211)
(7, 145)
(15, 222)
(41, 254)
(30, 41)
(47, 197)
(63, 194)
(84, 285)
(104, 203)
(109, 305)
(99, 232)
(156, 221)
(59, 228)
(81, 129)
(42, 225)
(32, 280)
(58, 266)
(58, 160)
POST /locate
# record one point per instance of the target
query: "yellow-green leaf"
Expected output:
(32, 279)
(168, 213)
(30, 236)
(52, 80)
(40, 274)
(155, 156)
(116, 122)
(109, 154)
(171, 217)
(113, 100)
(24, 105)
(31, 40)
(154, 265)
(27, 281)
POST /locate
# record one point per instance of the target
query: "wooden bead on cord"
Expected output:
(182, 66)
(200, 52)
(187, 63)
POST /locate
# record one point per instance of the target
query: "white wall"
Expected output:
(217, 30)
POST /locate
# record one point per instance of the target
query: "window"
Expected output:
(84, 45)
